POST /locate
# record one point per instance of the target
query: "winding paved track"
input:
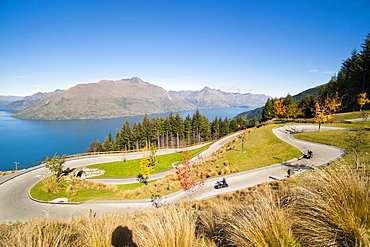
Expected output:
(15, 204)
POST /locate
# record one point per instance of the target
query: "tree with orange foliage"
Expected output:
(325, 107)
(279, 108)
(362, 100)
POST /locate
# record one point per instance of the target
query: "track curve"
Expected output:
(15, 204)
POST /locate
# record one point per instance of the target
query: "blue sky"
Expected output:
(271, 47)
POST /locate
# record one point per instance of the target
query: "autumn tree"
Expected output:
(325, 107)
(147, 164)
(187, 174)
(362, 100)
(279, 108)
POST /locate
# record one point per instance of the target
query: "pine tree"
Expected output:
(268, 110)
(188, 130)
(196, 123)
(137, 134)
(178, 128)
(215, 129)
(146, 127)
(108, 143)
(205, 129)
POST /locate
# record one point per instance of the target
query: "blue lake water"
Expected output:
(26, 141)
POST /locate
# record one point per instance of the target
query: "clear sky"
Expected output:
(273, 47)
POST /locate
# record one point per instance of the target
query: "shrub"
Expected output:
(51, 184)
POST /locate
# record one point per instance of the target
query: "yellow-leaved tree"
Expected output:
(147, 164)
(325, 107)
(362, 100)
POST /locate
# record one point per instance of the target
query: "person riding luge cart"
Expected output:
(221, 184)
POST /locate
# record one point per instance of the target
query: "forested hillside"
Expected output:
(353, 78)
(346, 91)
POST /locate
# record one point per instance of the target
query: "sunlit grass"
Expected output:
(261, 148)
(131, 168)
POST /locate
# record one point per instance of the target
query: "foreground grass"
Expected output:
(326, 207)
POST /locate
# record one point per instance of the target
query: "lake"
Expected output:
(29, 141)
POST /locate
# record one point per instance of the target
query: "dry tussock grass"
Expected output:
(6, 173)
(334, 208)
(327, 207)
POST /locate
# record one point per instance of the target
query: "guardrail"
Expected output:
(19, 166)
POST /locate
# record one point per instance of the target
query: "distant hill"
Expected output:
(5, 99)
(311, 91)
(27, 101)
(106, 99)
(258, 111)
(213, 98)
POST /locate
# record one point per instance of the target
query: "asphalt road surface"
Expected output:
(16, 205)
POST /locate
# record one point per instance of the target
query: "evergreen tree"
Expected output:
(124, 137)
(188, 130)
(268, 110)
(235, 125)
(307, 104)
(138, 135)
(215, 129)
(146, 128)
(205, 129)
(178, 128)
(292, 108)
(196, 124)
(108, 143)
(224, 127)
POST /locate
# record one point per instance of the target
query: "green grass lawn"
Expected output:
(339, 138)
(131, 168)
(261, 148)
(82, 195)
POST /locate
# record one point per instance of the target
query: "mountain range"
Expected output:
(27, 101)
(5, 99)
(126, 97)
(106, 99)
(214, 98)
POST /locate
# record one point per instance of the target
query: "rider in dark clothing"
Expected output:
(224, 182)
